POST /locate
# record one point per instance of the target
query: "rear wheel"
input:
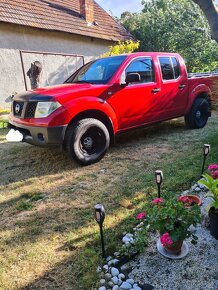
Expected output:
(87, 141)
(198, 115)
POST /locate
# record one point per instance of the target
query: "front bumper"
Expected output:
(40, 136)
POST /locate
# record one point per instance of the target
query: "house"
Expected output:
(57, 35)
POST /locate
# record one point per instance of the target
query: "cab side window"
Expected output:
(144, 67)
(169, 67)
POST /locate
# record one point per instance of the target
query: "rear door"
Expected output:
(174, 87)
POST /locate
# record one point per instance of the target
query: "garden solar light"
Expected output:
(99, 217)
(159, 179)
(206, 151)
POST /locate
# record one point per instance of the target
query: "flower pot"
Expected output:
(194, 199)
(175, 248)
(213, 215)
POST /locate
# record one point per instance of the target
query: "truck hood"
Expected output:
(62, 93)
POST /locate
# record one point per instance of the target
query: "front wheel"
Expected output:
(198, 115)
(87, 141)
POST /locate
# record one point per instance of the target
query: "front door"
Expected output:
(135, 103)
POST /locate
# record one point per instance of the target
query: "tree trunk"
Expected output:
(211, 13)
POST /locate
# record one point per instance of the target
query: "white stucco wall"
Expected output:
(56, 68)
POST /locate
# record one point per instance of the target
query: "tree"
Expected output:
(127, 46)
(211, 12)
(177, 26)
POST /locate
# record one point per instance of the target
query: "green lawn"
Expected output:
(48, 236)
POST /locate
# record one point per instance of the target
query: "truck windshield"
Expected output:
(97, 72)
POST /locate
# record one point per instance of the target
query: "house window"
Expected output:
(144, 67)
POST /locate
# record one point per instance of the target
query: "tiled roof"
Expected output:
(61, 15)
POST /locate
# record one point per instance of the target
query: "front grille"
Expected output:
(18, 108)
(30, 110)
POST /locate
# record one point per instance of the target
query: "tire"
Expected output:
(198, 115)
(87, 141)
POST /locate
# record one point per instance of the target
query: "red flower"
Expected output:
(184, 199)
(157, 200)
(166, 240)
(141, 215)
(214, 174)
(213, 167)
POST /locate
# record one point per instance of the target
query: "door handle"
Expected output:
(156, 90)
(181, 86)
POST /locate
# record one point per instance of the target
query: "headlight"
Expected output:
(44, 109)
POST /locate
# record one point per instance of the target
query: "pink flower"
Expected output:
(214, 174)
(166, 240)
(141, 215)
(213, 167)
(157, 200)
(184, 199)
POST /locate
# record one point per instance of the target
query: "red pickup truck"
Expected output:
(108, 96)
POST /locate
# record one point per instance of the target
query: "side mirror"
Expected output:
(132, 78)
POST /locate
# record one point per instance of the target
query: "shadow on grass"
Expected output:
(24, 161)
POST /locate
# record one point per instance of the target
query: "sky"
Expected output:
(119, 6)
(116, 7)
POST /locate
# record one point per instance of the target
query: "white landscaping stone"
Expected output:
(125, 239)
(102, 282)
(111, 284)
(102, 288)
(108, 258)
(114, 271)
(119, 282)
(105, 268)
(125, 286)
(121, 276)
(115, 280)
(107, 276)
(116, 254)
(113, 262)
(130, 281)
(201, 186)
(116, 287)
(129, 235)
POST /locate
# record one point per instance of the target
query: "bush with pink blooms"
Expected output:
(213, 170)
(171, 217)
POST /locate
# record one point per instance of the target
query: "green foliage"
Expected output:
(24, 205)
(174, 26)
(140, 242)
(28, 203)
(212, 185)
(174, 217)
(122, 47)
(4, 111)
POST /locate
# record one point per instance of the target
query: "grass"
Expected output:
(48, 236)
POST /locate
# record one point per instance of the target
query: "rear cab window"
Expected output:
(170, 68)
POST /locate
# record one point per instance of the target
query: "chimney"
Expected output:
(87, 10)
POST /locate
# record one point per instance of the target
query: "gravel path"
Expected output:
(197, 271)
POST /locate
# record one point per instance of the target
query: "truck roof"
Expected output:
(142, 53)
